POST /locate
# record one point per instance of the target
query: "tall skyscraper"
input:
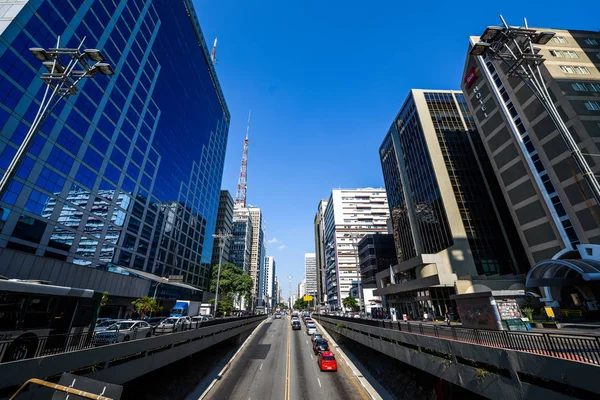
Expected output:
(350, 214)
(240, 252)
(301, 289)
(224, 225)
(136, 158)
(270, 286)
(257, 253)
(320, 250)
(550, 203)
(443, 198)
(310, 273)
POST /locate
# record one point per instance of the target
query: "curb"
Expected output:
(361, 379)
(226, 367)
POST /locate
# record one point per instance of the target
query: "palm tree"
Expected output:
(350, 302)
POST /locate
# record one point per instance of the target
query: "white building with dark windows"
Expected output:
(350, 214)
(270, 291)
(310, 273)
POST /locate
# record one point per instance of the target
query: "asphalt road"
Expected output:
(260, 371)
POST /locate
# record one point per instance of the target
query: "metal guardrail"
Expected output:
(41, 346)
(581, 348)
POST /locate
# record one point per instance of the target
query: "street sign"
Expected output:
(307, 298)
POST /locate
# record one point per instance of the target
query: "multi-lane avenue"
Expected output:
(278, 363)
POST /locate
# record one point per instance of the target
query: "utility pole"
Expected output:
(222, 237)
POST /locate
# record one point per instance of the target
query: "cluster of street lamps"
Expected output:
(61, 81)
(222, 237)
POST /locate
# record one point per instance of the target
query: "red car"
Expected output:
(326, 361)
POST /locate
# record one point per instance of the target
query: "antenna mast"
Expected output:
(240, 198)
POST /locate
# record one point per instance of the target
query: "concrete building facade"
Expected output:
(224, 225)
(257, 255)
(320, 251)
(550, 203)
(445, 215)
(240, 252)
(270, 288)
(349, 215)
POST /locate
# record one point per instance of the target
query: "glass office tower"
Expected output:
(128, 171)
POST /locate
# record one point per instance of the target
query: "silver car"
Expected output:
(198, 320)
(102, 325)
(123, 331)
(173, 324)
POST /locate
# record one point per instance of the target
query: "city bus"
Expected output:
(37, 318)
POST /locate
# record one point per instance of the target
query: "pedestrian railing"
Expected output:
(582, 348)
(31, 345)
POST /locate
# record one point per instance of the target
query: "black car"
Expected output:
(296, 326)
(320, 345)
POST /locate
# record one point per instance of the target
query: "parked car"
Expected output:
(172, 324)
(105, 324)
(316, 336)
(101, 320)
(310, 329)
(155, 321)
(320, 345)
(326, 361)
(123, 331)
(296, 326)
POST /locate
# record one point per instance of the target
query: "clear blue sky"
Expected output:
(324, 80)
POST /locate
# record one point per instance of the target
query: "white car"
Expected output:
(123, 331)
(310, 329)
(102, 325)
(173, 324)
(198, 320)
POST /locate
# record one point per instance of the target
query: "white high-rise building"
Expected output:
(270, 280)
(310, 273)
(301, 289)
(350, 214)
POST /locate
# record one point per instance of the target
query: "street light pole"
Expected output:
(222, 237)
(61, 81)
(514, 46)
(155, 290)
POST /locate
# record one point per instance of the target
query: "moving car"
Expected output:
(123, 331)
(320, 345)
(295, 319)
(310, 329)
(296, 326)
(172, 324)
(278, 316)
(316, 336)
(326, 361)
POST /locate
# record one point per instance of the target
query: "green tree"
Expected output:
(350, 302)
(233, 283)
(300, 304)
(225, 305)
(145, 306)
(104, 300)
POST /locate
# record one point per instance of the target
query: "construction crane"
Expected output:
(240, 197)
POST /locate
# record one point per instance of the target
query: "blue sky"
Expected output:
(324, 80)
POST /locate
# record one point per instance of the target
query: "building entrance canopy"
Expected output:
(563, 272)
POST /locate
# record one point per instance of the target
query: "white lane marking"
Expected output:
(260, 366)
(307, 342)
(318, 380)
(311, 357)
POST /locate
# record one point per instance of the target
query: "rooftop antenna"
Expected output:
(240, 197)
(213, 53)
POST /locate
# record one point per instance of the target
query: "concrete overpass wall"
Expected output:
(493, 372)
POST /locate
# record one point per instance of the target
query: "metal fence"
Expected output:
(31, 345)
(580, 348)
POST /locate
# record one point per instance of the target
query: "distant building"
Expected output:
(320, 251)
(452, 230)
(376, 253)
(224, 225)
(270, 289)
(310, 273)
(257, 254)
(241, 245)
(350, 214)
(554, 211)
(301, 289)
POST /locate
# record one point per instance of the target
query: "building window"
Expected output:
(575, 69)
(559, 39)
(593, 42)
(580, 87)
(598, 55)
(564, 53)
(592, 105)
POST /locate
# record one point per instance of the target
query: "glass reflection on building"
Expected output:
(128, 170)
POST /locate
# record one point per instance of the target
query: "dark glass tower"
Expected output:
(128, 171)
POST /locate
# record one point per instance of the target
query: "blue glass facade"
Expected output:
(128, 170)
